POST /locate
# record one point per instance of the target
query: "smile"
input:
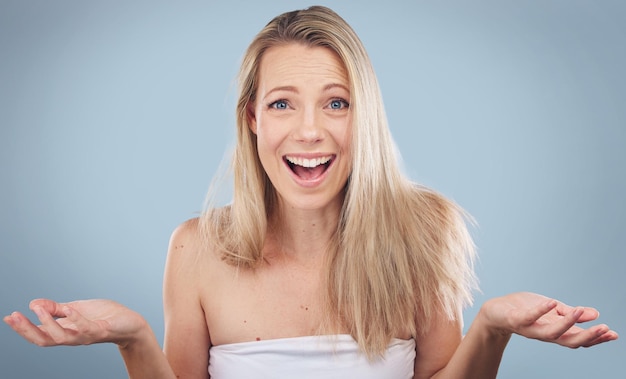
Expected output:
(309, 168)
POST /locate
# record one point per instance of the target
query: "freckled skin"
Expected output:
(306, 81)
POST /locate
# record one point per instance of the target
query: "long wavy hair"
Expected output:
(401, 254)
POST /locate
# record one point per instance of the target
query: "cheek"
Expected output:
(343, 138)
(266, 141)
(270, 132)
(268, 147)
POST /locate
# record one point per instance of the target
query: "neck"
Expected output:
(302, 235)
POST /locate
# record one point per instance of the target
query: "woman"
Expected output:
(329, 262)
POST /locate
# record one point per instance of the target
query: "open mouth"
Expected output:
(309, 169)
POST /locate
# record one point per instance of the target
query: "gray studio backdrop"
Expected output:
(115, 115)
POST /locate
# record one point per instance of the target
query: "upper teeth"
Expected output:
(309, 162)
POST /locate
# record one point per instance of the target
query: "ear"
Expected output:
(251, 117)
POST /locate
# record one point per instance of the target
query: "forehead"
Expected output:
(293, 64)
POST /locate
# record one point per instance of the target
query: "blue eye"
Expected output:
(338, 104)
(279, 104)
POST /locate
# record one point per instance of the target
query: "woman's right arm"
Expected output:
(187, 274)
(186, 343)
(88, 322)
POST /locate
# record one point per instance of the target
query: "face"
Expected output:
(302, 119)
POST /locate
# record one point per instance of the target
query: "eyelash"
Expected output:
(274, 104)
(344, 103)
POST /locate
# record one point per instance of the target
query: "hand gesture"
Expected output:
(78, 323)
(538, 317)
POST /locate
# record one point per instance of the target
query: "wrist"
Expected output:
(485, 324)
(142, 335)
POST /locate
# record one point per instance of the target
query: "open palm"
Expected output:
(538, 317)
(77, 323)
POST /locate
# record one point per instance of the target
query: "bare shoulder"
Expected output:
(191, 260)
(185, 234)
(194, 258)
(188, 244)
(187, 337)
(184, 252)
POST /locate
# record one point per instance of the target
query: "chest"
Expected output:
(268, 304)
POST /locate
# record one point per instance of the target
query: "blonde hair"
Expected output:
(402, 253)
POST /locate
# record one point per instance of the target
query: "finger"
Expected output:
(7, 320)
(585, 337)
(82, 325)
(29, 331)
(589, 314)
(603, 338)
(529, 317)
(557, 329)
(50, 306)
(58, 334)
(603, 334)
(72, 329)
(87, 331)
(606, 337)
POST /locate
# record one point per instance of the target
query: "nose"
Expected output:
(309, 128)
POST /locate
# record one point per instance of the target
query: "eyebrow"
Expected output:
(293, 89)
(281, 88)
(335, 85)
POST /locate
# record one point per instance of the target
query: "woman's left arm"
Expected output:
(479, 353)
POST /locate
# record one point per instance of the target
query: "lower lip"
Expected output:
(313, 182)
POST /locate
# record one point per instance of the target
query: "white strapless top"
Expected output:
(319, 357)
